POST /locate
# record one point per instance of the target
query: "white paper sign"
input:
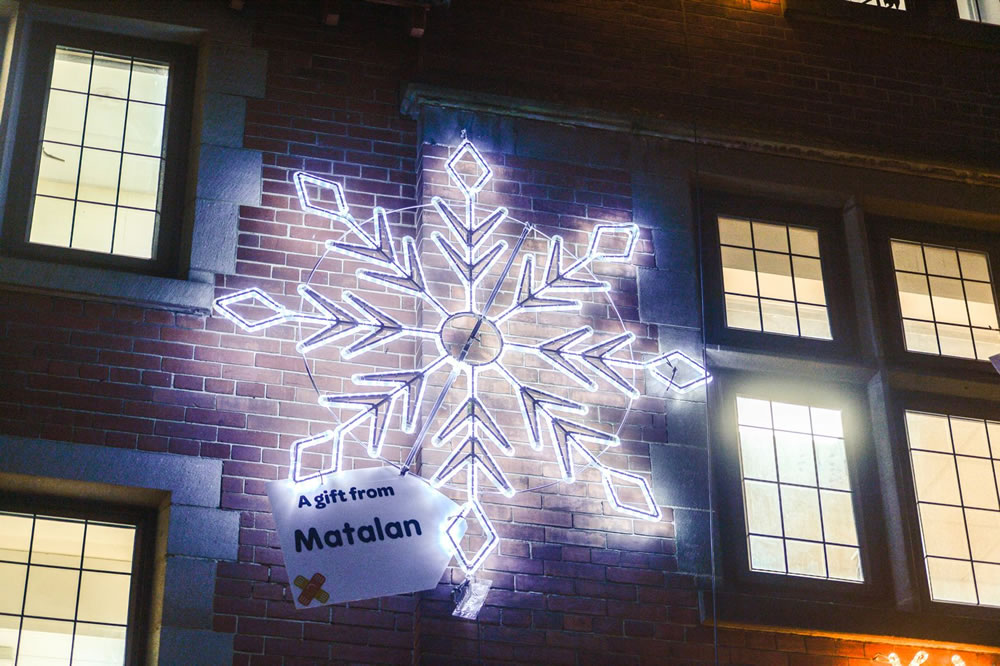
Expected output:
(360, 534)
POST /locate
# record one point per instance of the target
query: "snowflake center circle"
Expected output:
(483, 348)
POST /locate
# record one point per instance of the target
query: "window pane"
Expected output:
(104, 597)
(58, 166)
(144, 129)
(844, 562)
(109, 548)
(51, 221)
(984, 534)
(804, 241)
(935, 477)
(57, 542)
(99, 176)
(808, 281)
(838, 518)
(806, 558)
(105, 123)
(97, 645)
(814, 322)
(64, 117)
(955, 341)
(92, 227)
(140, 182)
(907, 256)
(757, 454)
(12, 579)
(772, 237)
(734, 232)
(110, 76)
(45, 642)
(71, 69)
(791, 417)
(978, 486)
(831, 461)
(135, 231)
(943, 530)
(914, 296)
(929, 432)
(988, 583)
(987, 343)
(982, 308)
(920, 336)
(941, 261)
(948, 300)
(969, 436)
(800, 509)
(8, 638)
(753, 412)
(974, 266)
(149, 82)
(738, 276)
(767, 554)
(742, 312)
(795, 458)
(779, 317)
(15, 537)
(763, 511)
(774, 275)
(51, 592)
(951, 580)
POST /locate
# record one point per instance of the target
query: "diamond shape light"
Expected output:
(649, 512)
(455, 530)
(667, 367)
(484, 169)
(224, 306)
(613, 242)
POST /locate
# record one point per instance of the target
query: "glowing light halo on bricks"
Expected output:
(470, 342)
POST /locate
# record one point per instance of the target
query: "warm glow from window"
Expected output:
(64, 590)
(101, 154)
(956, 464)
(797, 491)
(946, 300)
(772, 278)
(984, 11)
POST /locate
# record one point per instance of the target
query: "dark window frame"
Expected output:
(882, 229)
(828, 222)
(936, 404)
(144, 519)
(43, 39)
(737, 575)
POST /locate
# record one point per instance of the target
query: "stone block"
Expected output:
(201, 532)
(223, 120)
(694, 545)
(229, 174)
(680, 475)
(669, 297)
(188, 592)
(213, 243)
(236, 70)
(194, 647)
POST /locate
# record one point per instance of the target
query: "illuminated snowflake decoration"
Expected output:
(468, 341)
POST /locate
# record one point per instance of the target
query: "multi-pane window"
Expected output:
(772, 278)
(946, 300)
(984, 11)
(101, 154)
(956, 465)
(65, 587)
(797, 495)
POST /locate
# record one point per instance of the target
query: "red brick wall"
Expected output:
(573, 582)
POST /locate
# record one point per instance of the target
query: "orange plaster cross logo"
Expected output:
(311, 589)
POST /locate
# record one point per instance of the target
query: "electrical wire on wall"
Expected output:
(704, 339)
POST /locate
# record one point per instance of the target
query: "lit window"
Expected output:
(946, 300)
(64, 590)
(984, 11)
(956, 462)
(773, 279)
(797, 495)
(101, 154)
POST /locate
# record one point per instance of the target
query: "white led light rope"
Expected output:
(471, 429)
